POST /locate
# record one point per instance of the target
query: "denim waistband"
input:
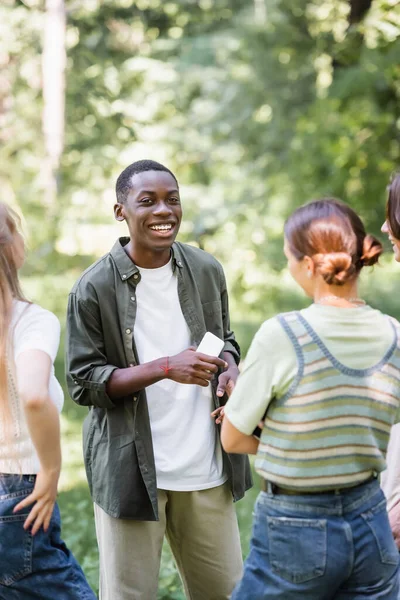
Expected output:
(336, 503)
(12, 482)
(9, 476)
(273, 488)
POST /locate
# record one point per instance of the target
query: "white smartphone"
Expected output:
(211, 345)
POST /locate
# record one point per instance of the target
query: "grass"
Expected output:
(77, 511)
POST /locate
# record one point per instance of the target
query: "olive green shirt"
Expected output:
(118, 450)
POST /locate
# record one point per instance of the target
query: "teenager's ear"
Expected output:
(310, 266)
(119, 212)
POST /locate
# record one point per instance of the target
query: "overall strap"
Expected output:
(393, 361)
(396, 327)
(304, 343)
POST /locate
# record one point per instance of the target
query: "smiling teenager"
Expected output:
(153, 457)
(326, 381)
(391, 477)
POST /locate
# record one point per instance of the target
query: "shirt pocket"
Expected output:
(297, 547)
(212, 313)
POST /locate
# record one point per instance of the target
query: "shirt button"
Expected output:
(123, 276)
(179, 263)
(76, 381)
(133, 298)
(135, 276)
(128, 331)
(134, 398)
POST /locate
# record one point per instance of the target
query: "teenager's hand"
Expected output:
(394, 518)
(218, 414)
(190, 366)
(43, 499)
(227, 381)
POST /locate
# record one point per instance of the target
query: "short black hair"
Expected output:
(124, 181)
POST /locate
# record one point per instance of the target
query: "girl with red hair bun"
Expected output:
(325, 383)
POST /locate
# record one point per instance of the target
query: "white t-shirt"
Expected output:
(186, 445)
(32, 328)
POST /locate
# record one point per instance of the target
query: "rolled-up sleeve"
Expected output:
(87, 370)
(231, 344)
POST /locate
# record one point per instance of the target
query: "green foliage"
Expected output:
(255, 116)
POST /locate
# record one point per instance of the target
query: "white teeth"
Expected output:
(166, 227)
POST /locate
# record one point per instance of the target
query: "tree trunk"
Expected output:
(260, 11)
(358, 9)
(53, 67)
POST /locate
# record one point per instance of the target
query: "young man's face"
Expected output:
(152, 211)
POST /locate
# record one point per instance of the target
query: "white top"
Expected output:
(186, 445)
(33, 328)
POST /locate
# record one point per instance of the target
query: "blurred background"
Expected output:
(256, 105)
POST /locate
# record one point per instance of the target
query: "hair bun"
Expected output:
(335, 267)
(372, 249)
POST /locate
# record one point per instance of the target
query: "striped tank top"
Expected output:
(331, 428)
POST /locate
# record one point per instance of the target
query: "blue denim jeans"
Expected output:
(34, 567)
(335, 546)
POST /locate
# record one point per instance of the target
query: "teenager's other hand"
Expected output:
(218, 414)
(43, 499)
(227, 381)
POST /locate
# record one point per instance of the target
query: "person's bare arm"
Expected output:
(189, 367)
(236, 442)
(33, 373)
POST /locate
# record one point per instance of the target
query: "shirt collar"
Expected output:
(126, 267)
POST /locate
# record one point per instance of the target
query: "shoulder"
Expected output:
(272, 329)
(35, 328)
(393, 326)
(95, 278)
(393, 321)
(272, 349)
(28, 314)
(274, 339)
(196, 258)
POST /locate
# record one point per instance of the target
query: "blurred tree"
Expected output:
(258, 106)
(271, 115)
(53, 65)
(358, 8)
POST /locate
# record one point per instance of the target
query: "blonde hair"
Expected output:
(10, 290)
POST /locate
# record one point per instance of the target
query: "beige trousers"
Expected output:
(202, 531)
